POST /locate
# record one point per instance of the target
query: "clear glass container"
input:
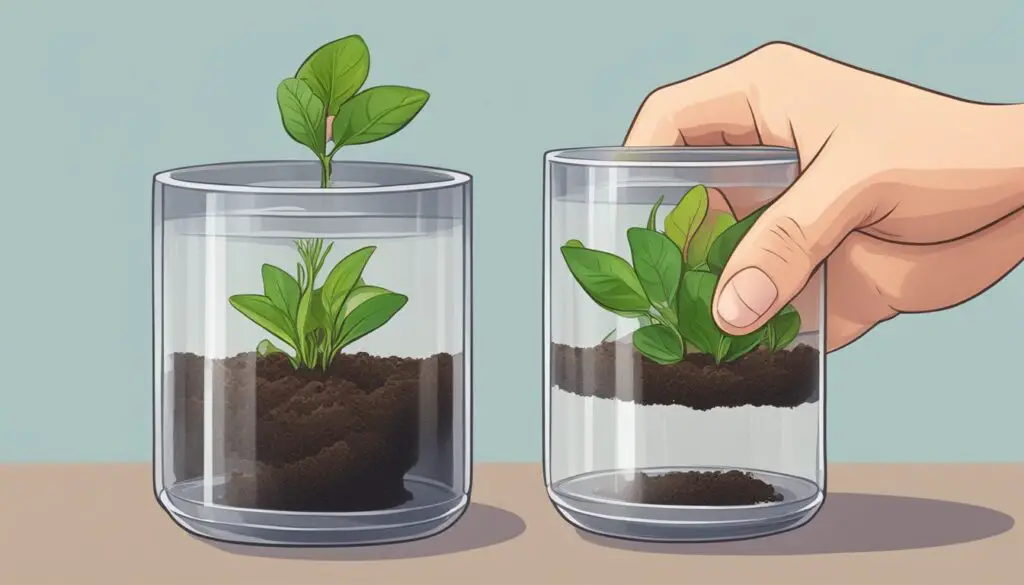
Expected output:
(312, 412)
(654, 427)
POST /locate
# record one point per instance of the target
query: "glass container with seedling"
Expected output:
(312, 323)
(660, 425)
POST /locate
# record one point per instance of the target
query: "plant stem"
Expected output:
(325, 172)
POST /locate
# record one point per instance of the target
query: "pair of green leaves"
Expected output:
(690, 226)
(317, 323)
(671, 283)
(328, 84)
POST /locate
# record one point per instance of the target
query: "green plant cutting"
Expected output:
(317, 323)
(326, 90)
(670, 285)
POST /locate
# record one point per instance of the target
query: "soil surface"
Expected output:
(336, 441)
(787, 378)
(696, 488)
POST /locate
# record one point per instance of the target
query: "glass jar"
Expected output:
(312, 351)
(657, 425)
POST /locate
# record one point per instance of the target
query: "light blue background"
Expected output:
(99, 95)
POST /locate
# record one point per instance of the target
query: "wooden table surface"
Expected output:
(881, 525)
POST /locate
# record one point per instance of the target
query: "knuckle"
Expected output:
(786, 239)
(772, 56)
(777, 50)
(658, 101)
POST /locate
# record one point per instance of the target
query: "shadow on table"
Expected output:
(480, 527)
(850, 523)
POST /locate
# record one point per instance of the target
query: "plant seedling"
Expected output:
(326, 90)
(317, 323)
(670, 285)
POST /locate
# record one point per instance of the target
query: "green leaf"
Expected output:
(359, 295)
(722, 350)
(783, 328)
(369, 315)
(696, 323)
(262, 311)
(336, 71)
(725, 244)
(653, 217)
(684, 219)
(697, 252)
(574, 244)
(266, 347)
(658, 263)
(744, 344)
(281, 289)
(343, 278)
(302, 114)
(607, 279)
(319, 317)
(376, 113)
(659, 344)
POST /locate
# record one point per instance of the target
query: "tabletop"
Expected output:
(79, 524)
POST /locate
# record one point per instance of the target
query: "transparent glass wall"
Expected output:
(658, 426)
(312, 351)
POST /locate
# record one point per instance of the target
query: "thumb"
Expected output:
(785, 246)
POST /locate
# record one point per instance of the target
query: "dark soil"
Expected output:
(312, 441)
(787, 378)
(696, 488)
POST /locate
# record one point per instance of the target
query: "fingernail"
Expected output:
(746, 297)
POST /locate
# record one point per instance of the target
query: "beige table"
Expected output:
(881, 525)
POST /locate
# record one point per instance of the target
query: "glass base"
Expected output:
(433, 509)
(577, 501)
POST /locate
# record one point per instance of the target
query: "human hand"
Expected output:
(915, 198)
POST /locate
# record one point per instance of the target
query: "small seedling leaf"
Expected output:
(261, 311)
(744, 344)
(658, 343)
(574, 244)
(682, 222)
(658, 264)
(302, 114)
(696, 323)
(266, 347)
(724, 245)
(724, 345)
(369, 316)
(652, 219)
(281, 289)
(336, 71)
(713, 226)
(607, 279)
(783, 328)
(344, 277)
(376, 113)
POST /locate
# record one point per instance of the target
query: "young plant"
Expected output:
(325, 91)
(316, 323)
(671, 283)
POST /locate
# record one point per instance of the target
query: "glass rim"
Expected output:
(171, 178)
(679, 156)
